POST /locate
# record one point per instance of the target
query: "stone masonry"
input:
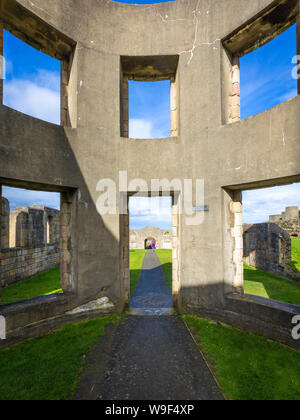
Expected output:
(289, 220)
(267, 247)
(30, 241)
(162, 238)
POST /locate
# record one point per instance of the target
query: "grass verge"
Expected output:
(136, 258)
(43, 284)
(48, 367)
(248, 367)
(260, 283)
(295, 264)
(165, 257)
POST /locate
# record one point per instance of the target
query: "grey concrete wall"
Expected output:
(259, 151)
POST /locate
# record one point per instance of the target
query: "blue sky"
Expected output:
(265, 82)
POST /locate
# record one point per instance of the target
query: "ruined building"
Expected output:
(142, 238)
(196, 45)
(267, 247)
(29, 241)
(288, 220)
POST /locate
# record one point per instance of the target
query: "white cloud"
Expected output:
(39, 97)
(19, 197)
(258, 205)
(140, 129)
(154, 211)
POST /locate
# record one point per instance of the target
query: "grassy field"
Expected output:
(248, 367)
(136, 259)
(256, 282)
(295, 264)
(48, 367)
(165, 257)
(43, 284)
(260, 283)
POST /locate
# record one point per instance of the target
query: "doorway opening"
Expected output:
(149, 242)
(151, 278)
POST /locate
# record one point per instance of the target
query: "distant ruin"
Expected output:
(267, 247)
(289, 220)
(29, 241)
(139, 238)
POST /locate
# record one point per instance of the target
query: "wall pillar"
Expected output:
(174, 107)
(66, 248)
(65, 73)
(235, 95)
(124, 106)
(237, 235)
(233, 242)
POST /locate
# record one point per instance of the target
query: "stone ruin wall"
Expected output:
(30, 241)
(267, 247)
(162, 237)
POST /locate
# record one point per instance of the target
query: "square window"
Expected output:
(149, 96)
(149, 109)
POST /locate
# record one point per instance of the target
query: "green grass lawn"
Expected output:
(248, 367)
(48, 367)
(295, 264)
(260, 283)
(43, 284)
(136, 258)
(165, 257)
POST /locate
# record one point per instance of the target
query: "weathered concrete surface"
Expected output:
(147, 358)
(152, 290)
(92, 36)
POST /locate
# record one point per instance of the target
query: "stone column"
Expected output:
(174, 108)
(233, 242)
(235, 100)
(65, 74)
(124, 106)
(66, 251)
(237, 235)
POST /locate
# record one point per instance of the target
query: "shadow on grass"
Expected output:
(43, 284)
(294, 266)
(261, 283)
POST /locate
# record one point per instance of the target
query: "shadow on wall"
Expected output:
(97, 268)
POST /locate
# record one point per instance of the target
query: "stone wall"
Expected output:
(289, 220)
(161, 237)
(30, 241)
(5, 224)
(267, 247)
(33, 226)
(20, 263)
